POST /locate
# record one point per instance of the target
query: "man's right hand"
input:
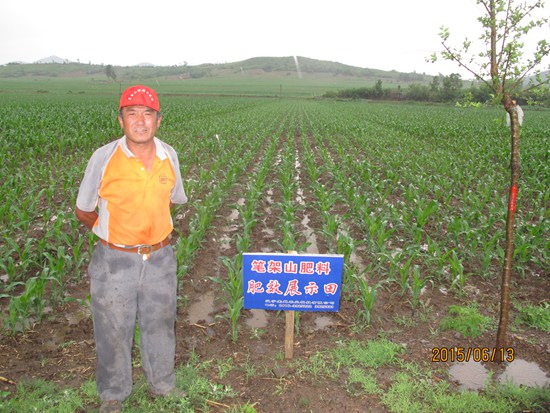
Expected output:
(87, 218)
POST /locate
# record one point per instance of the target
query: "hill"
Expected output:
(258, 76)
(255, 67)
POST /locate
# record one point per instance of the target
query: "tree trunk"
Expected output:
(510, 220)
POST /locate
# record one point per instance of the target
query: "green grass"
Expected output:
(535, 316)
(466, 320)
(43, 396)
(352, 366)
(413, 388)
(361, 381)
(410, 394)
(375, 353)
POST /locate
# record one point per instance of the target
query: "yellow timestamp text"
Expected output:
(477, 354)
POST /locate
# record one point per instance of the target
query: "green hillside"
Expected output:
(266, 76)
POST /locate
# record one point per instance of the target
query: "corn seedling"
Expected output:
(367, 298)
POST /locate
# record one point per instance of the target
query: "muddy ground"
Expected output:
(61, 347)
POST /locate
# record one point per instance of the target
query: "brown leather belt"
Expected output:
(142, 249)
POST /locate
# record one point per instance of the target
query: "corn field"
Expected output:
(412, 195)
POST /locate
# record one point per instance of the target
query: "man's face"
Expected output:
(140, 123)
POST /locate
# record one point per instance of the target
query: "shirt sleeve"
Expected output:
(178, 192)
(88, 193)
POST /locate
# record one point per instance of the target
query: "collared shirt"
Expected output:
(133, 203)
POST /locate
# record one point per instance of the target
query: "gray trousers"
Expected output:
(125, 288)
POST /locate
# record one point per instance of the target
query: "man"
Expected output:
(125, 198)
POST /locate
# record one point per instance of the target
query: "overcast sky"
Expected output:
(391, 34)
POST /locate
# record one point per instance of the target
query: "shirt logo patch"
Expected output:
(163, 179)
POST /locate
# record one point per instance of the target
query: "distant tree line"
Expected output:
(443, 89)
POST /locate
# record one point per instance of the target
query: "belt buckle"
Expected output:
(144, 249)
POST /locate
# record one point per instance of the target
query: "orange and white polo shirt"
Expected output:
(133, 204)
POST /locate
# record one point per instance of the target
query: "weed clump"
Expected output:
(468, 321)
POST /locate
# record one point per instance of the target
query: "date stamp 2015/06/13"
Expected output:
(476, 354)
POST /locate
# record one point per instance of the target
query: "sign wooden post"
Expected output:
(289, 329)
(289, 334)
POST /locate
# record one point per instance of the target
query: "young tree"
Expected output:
(451, 88)
(504, 67)
(110, 72)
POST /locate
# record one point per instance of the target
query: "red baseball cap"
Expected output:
(140, 95)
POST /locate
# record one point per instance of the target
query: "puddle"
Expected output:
(269, 197)
(310, 236)
(233, 216)
(472, 375)
(199, 311)
(323, 322)
(56, 338)
(258, 319)
(224, 242)
(230, 228)
(525, 373)
(357, 261)
(235, 212)
(268, 231)
(312, 239)
(300, 197)
(75, 318)
(354, 258)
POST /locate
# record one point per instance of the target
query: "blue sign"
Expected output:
(300, 282)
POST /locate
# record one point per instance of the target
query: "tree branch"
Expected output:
(456, 59)
(536, 85)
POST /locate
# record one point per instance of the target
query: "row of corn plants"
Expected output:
(408, 186)
(45, 249)
(338, 235)
(227, 143)
(424, 187)
(232, 285)
(232, 282)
